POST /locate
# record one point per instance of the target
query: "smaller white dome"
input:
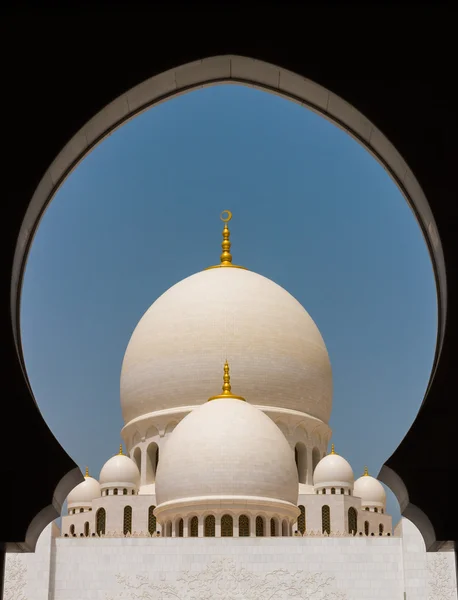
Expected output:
(241, 460)
(333, 471)
(370, 490)
(85, 492)
(240, 454)
(119, 471)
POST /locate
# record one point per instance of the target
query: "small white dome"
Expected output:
(370, 490)
(225, 449)
(120, 471)
(333, 471)
(85, 492)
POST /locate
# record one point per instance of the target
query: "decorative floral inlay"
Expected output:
(441, 585)
(15, 578)
(224, 580)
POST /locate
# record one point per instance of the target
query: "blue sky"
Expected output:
(312, 210)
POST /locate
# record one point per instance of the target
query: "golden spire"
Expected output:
(226, 386)
(87, 472)
(120, 449)
(332, 449)
(366, 472)
(226, 256)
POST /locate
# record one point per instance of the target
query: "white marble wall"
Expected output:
(442, 584)
(427, 576)
(28, 576)
(249, 568)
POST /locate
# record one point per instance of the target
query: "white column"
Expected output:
(235, 531)
(185, 527)
(309, 466)
(253, 526)
(218, 526)
(201, 526)
(143, 466)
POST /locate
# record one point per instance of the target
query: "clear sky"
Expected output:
(313, 211)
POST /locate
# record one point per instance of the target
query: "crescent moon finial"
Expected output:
(226, 216)
(226, 256)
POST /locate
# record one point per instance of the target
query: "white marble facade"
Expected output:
(228, 497)
(306, 568)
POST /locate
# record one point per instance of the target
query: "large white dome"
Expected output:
(226, 449)
(275, 349)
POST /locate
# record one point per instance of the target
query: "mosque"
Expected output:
(226, 395)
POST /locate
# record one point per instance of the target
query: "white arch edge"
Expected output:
(238, 70)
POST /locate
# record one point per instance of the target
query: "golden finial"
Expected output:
(333, 451)
(366, 472)
(226, 256)
(87, 472)
(120, 449)
(226, 386)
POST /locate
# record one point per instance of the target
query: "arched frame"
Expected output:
(246, 71)
(260, 526)
(127, 520)
(100, 521)
(227, 525)
(300, 452)
(244, 526)
(138, 458)
(352, 521)
(193, 526)
(326, 519)
(209, 526)
(152, 524)
(152, 460)
(301, 520)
